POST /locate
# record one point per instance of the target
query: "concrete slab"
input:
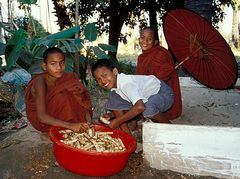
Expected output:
(203, 141)
(199, 150)
(204, 106)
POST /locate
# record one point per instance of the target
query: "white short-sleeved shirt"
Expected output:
(135, 87)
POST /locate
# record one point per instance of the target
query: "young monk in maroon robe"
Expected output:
(156, 60)
(57, 98)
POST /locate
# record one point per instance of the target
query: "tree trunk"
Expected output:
(76, 59)
(116, 19)
(153, 16)
(202, 7)
(63, 19)
(235, 28)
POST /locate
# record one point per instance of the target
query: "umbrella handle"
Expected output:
(200, 47)
(188, 57)
(178, 65)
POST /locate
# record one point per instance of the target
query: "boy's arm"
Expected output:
(137, 109)
(40, 91)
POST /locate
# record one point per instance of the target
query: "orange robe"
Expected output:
(67, 101)
(159, 62)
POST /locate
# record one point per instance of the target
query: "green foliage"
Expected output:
(91, 52)
(126, 67)
(28, 2)
(2, 48)
(27, 52)
(70, 45)
(99, 51)
(64, 34)
(130, 12)
(105, 47)
(22, 51)
(90, 32)
(14, 46)
(22, 22)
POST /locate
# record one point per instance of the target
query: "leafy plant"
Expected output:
(92, 50)
(22, 22)
(26, 52)
(126, 67)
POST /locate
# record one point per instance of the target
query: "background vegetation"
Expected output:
(26, 42)
(25, 39)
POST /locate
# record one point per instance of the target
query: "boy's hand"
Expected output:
(105, 118)
(79, 127)
(113, 124)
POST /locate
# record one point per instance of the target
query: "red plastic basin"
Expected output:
(92, 163)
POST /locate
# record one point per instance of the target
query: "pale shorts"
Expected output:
(160, 102)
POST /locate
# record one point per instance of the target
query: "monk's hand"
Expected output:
(79, 127)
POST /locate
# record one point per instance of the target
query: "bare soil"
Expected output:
(27, 153)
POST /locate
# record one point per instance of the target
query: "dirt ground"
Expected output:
(26, 153)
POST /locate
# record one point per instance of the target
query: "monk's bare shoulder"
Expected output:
(39, 86)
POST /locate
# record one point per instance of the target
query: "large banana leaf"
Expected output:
(31, 52)
(106, 47)
(71, 45)
(46, 42)
(14, 47)
(50, 40)
(18, 36)
(90, 32)
(2, 48)
(38, 50)
(100, 54)
(69, 62)
(82, 59)
(29, 2)
(65, 34)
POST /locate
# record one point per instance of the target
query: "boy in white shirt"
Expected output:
(132, 95)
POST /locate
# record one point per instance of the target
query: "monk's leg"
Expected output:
(61, 107)
(160, 118)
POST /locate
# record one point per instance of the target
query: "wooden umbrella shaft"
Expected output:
(178, 65)
(188, 57)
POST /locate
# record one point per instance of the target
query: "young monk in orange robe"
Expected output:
(57, 98)
(156, 60)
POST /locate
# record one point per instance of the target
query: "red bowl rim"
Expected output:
(129, 150)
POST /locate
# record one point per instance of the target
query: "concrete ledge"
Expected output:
(191, 82)
(196, 150)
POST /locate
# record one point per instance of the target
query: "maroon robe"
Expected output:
(159, 62)
(68, 100)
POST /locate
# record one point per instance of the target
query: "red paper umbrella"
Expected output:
(200, 49)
